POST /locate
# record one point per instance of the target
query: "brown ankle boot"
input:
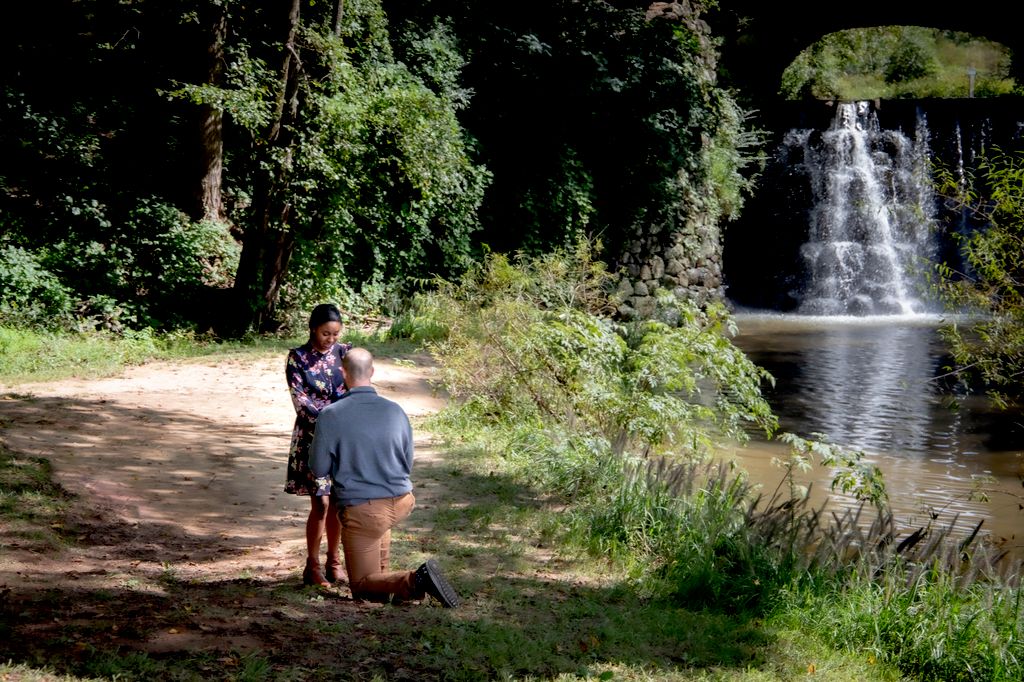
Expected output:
(334, 571)
(312, 575)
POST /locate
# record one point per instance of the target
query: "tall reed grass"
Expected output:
(696, 535)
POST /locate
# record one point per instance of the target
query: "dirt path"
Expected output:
(182, 467)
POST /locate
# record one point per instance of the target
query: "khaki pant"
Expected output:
(366, 540)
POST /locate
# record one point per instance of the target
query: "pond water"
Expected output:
(874, 384)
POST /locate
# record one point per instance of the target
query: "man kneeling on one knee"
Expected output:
(364, 443)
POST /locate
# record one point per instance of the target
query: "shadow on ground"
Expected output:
(152, 607)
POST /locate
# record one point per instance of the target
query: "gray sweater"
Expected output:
(364, 443)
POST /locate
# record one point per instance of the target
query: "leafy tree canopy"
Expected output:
(988, 345)
(345, 149)
(342, 169)
(594, 119)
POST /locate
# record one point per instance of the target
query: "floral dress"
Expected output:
(315, 381)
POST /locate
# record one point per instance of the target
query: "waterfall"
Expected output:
(871, 232)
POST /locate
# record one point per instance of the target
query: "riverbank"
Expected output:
(138, 563)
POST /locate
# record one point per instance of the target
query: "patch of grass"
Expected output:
(19, 474)
(31, 355)
(381, 344)
(859, 606)
(25, 673)
(920, 620)
(253, 668)
(128, 665)
(32, 506)
(131, 583)
(38, 356)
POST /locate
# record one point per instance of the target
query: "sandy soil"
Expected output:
(181, 467)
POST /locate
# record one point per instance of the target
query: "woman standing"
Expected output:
(315, 380)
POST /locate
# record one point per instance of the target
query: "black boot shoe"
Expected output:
(430, 580)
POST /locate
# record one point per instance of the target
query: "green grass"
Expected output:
(921, 620)
(535, 609)
(32, 506)
(923, 611)
(30, 356)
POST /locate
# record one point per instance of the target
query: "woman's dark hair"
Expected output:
(323, 313)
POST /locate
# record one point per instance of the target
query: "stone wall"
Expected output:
(688, 264)
(684, 258)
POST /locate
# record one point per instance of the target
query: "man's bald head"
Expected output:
(358, 367)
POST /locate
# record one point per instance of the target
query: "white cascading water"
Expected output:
(871, 235)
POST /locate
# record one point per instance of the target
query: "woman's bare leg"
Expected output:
(315, 528)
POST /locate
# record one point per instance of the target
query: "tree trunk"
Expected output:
(339, 12)
(268, 243)
(211, 127)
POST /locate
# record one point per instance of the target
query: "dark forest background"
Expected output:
(223, 164)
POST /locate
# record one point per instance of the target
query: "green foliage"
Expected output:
(416, 321)
(593, 119)
(734, 159)
(988, 349)
(559, 208)
(680, 528)
(370, 181)
(922, 621)
(87, 147)
(594, 411)
(162, 250)
(689, 523)
(608, 421)
(897, 61)
(433, 56)
(696, 536)
(136, 270)
(380, 185)
(249, 99)
(863, 480)
(30, 295)
(402, 192)
(913, 59)
(529, 338)
(705, 539)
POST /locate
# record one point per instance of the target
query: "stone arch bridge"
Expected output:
(760, 39)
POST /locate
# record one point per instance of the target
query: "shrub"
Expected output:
(532, 338)
(911, 60)
(989, 351)
(30, 295)
(144, 268)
